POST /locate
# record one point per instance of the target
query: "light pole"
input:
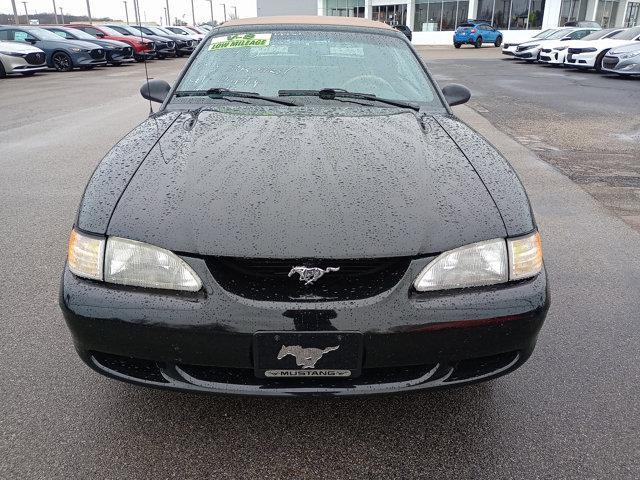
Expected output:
(165, 16)
(193, 14)
(126, 11)
(89, 12)
(55, 11)
(62, 15)
(136, 11)
(211, 5)
(235, 12)
(224, 9)
(168, 14)
(25, 12)
(16, 20)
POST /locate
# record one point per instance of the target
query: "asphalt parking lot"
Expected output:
(582, 122)
(571, 412)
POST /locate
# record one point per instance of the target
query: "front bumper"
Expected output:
(582, 60)
(85, 60)
(509, 50)
(14, 64)
(531, 54)
(203, 342)
(629, 66)
(552, 57)
(115, 56)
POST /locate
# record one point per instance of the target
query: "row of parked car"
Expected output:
(614, 50)
(28, 49)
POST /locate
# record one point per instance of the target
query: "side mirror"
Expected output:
(565, 38)
(32, 41)
(100, 35)
(155, 90)
(456, 94)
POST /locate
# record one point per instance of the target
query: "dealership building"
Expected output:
(433, 21)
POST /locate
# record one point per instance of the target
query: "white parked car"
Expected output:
(510, 48)
(529, 51)
(590, 54)
(17, 57)
(555, 53)
(623, 60)
(186, 32)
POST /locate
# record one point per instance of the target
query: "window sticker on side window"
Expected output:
(20, 36)
(240, 40)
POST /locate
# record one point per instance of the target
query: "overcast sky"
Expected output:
(153, 10)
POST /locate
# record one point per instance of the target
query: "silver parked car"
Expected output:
(624, 60)
(20, 58)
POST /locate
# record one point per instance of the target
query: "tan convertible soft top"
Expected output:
(308, 20)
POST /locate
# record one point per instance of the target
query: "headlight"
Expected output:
(78, 50)
(589, 50)
(560, 48)
(529, 47)
(85, 255)
(13, 54)
(483, 263)
(128, 262)
(624, 56)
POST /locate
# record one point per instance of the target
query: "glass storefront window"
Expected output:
(633, 14)
(344, 8)
(572, 11)
(391, 14)
(439, 15)
(512, 14)
(606, 13)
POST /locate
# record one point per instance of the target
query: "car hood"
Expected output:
(323, 186)
(62, 43)
(18, 47)
(109, 43)
(632, 47)
(600, 44)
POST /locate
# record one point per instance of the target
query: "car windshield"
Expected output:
(159, 31)
(544, 33)
(177, 30)
(559, 34)
(268, 62)
(43, 34)
(599, 34)
(110, 31)
(79, 34)
(129, 30)
(628, 34)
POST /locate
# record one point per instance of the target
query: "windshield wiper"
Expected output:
(333, 93)
(226, 93)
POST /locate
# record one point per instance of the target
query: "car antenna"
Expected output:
(146, 72)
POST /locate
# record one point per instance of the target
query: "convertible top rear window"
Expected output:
(268, 62)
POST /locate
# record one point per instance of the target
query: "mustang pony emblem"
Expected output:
(310, 275)
(305, 357)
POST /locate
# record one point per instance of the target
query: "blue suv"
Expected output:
(476, 33)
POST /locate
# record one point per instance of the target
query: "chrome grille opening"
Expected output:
(269, 280)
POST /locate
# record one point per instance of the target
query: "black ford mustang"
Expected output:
(304, 215)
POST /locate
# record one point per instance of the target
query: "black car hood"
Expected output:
(270, 185)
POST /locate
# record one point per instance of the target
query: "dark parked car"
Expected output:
(331, 230)
(143, 49)
(583, 24)
(185, 45)
(164, 47)
(406, 30)
(117, 52)
(63, 55)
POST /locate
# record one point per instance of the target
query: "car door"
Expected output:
(26, 37)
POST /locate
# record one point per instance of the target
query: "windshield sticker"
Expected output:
(240, 40)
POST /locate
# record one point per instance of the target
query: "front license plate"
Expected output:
(307, 354)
